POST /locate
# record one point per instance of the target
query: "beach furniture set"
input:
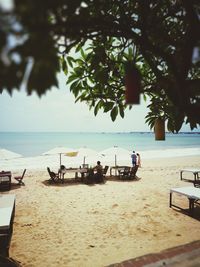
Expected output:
(60, 176)
(124, 172)
(5, 179)
(83, 172)
(191, 192)
(7, 213)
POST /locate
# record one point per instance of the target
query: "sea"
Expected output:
(30, 144)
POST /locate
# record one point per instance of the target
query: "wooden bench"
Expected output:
(5, 180)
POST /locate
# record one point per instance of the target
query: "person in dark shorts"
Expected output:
(134, 158)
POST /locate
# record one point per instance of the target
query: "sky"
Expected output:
(57, 111)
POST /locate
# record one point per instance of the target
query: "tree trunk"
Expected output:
(159, 129)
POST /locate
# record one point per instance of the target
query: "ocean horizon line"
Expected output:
(102, 132)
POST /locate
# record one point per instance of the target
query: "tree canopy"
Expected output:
(160, 38)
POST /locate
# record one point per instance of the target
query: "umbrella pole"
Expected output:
(60, 159)
(84, 160)
(115, 165)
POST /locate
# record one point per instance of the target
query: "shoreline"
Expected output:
(42, 162)
(93, 226)
(35, 144)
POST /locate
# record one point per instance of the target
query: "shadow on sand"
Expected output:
(116, 179)
(14, 186)
(72, 181)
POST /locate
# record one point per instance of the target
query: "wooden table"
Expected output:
(7, 213)
(192, 193)
(191, 170)
(82, 171)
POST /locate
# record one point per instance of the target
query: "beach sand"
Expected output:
(79, 225)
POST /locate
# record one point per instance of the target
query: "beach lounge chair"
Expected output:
(192, 194)
(53, 176)
(7, 214)
(20, 178)
(124, 173)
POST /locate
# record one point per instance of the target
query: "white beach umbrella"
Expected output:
(116, 152)
(89, 154)
(58, 150)
(7, 154)
(70, 152)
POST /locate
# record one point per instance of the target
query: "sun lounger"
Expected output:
(7, 212)
(192, 193)
(195, 172)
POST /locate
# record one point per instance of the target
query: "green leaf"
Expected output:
(121, 111)
(76, 89)
(64, 66)
(108, 106)
(83, 54)
(78, 48)
(97, 107)
(114, 113)
(73, 85)
(144, 97)
(71, 78)
(70, 61)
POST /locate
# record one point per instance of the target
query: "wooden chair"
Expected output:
(132, 174)
(53, 176)
(105, 170)
(20, 178)
(124, 173)
(85, 166)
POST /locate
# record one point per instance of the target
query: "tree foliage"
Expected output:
(159, 37)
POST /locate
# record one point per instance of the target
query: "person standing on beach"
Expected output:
(138, 160)
(134, 159)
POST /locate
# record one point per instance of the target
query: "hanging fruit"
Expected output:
(132, 84)
(159, 129)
